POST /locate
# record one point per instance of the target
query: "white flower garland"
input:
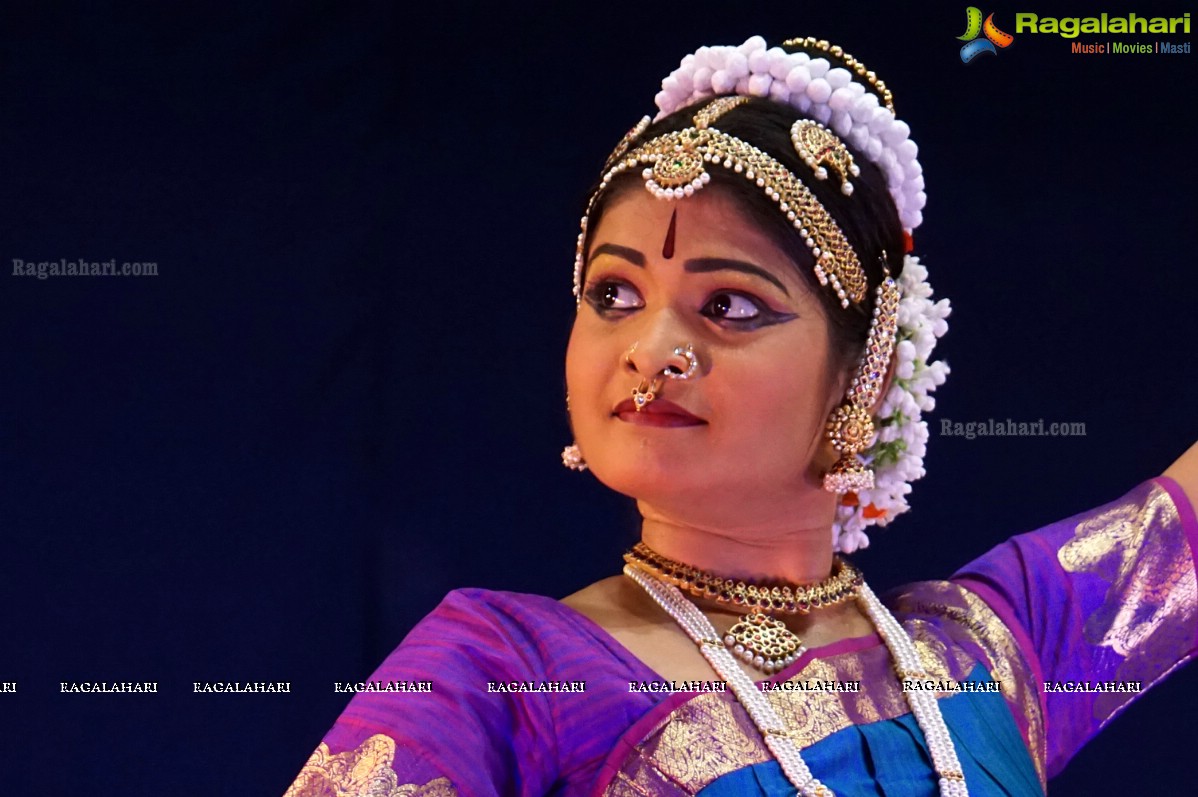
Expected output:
(896, 455)
(834, 96)
(830, 95)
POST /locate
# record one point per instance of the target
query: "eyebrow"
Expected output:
(699, 265)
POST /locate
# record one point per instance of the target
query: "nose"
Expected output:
(664, 349)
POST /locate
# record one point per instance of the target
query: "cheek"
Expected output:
(792, 408)
(574, 361)
(587, 367)
(785, 412)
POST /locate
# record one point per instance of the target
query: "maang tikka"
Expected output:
(676, 165)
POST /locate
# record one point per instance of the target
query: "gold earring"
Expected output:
(851, 426)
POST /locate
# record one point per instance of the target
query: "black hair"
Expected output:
(868, 218)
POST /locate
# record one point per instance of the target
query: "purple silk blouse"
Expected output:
(505, 693)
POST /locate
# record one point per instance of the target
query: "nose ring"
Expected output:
(648, 390)
(645, 392)
(687, 352)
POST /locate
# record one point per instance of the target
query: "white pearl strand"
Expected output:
(778, 739)
(924, 704)
(699, 628)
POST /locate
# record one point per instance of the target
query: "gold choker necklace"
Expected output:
(758, 639)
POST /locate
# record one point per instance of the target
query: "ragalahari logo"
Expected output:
(974, 26)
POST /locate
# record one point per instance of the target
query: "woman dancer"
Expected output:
(750, 361)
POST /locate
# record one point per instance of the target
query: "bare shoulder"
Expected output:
(1185, 472)
(613, 603)
(622, 609)
(600, 590)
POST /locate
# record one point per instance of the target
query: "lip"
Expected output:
(659, 412)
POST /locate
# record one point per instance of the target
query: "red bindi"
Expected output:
(667, 249)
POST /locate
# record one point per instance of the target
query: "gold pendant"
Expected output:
(764, 642)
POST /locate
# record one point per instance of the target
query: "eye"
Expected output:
(731, 307)
(610, 295)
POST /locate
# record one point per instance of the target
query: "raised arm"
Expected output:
(1103, 604)
(1185, 472)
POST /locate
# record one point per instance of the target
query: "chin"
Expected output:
(647, 476)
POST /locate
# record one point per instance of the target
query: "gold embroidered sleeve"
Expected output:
(362, 772)
(1104, 604)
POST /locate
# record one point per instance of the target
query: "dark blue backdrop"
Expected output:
(342, 396)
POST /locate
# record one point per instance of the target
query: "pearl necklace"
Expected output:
(778, 739)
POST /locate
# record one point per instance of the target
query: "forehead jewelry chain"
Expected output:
(676, 165)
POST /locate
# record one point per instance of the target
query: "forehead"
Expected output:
(711, 216)
(710, 224)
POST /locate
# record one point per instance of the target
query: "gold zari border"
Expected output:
(364, 771)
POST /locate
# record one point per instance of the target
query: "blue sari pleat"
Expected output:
(890, 758)
(982, 729)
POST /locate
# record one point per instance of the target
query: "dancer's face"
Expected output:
(765, 383)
